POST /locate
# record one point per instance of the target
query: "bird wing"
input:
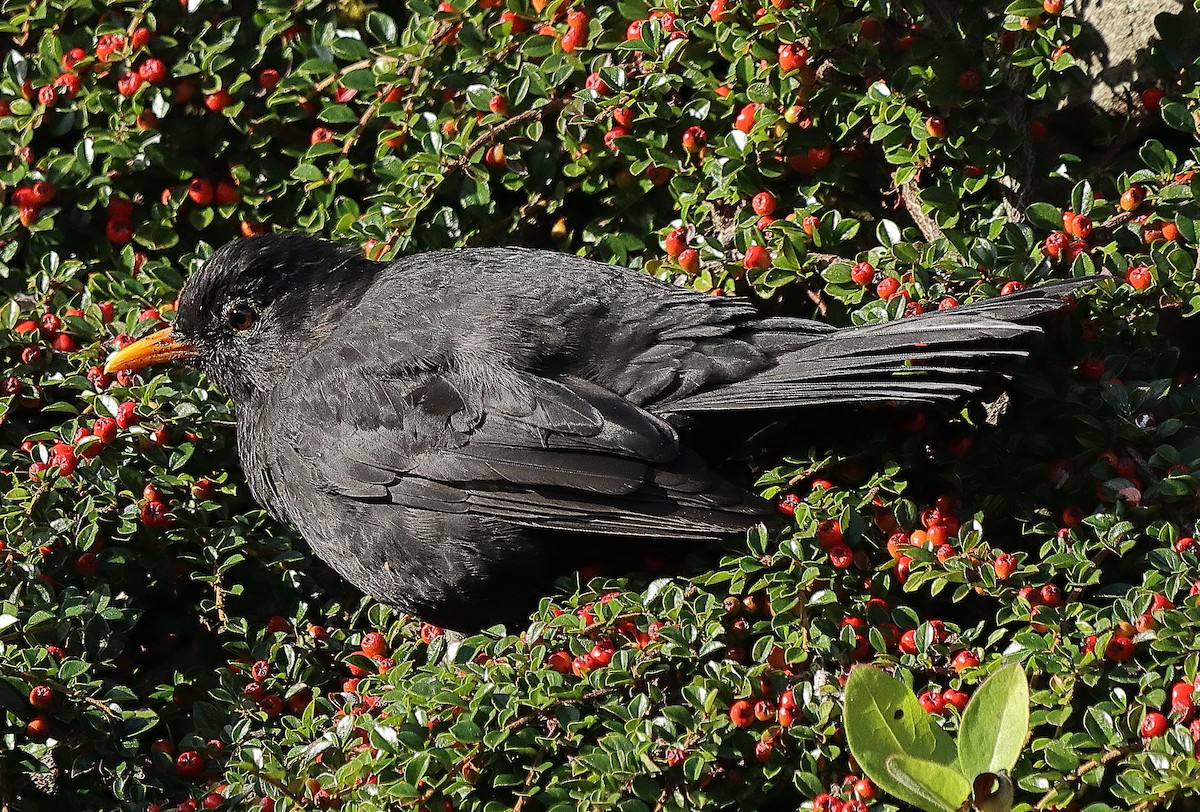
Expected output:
(551, 452)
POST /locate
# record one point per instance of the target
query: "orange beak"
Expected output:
(156, 348)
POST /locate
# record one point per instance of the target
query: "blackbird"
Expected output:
(442, 427)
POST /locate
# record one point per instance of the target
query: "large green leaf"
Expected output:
(995, 723)
(883, 720)
(934, 787)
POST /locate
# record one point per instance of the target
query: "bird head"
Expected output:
(254, 308)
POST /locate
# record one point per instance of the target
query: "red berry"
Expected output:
(374, 644)
(42, 192)
(201, 191)
(964, 659)
(154, 71)
(1081, 226)
(829, 533)
(127, 415)
(560, 661)
(675, 242)
(908, 642)
(41, 697)
(1056, 245)
(321, 135)
(763, 204)
(573, 38)
(689, 260)
(226, 193)
(1012, 286)
(1050, 595)
(268, 79)
(757, 257)
(841, 556)
(1152, 98)
(140, 38)
(581, 665)
(218, 100)
(1139, 277)
(787, 504)
(694, 139)
(932, 701)
(610, 137)
(87, 564)
(189, 764)
(935, 126)
(72, 58)
(1119, 649)
(741, 713)
(863, 273)
(155, 514)
(792, 57)
(745, 118)
(888, 287)
(1154, 724)
(765, 710)
(38, 729)
(955, 699)
(1133, 197)
(118, 232)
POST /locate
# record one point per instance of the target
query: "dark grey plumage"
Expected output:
(439, 427)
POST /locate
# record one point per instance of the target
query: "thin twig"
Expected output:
(279, 785)
(219, 600)
(529, 776)
(39, 679)
(1087, 767)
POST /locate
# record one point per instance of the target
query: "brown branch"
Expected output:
(1087, 767)
(279, 785)
(529, 776)
(219, 600)
(910, 194)
(553, 104)
(353, 66)
(38, 679)
(1123, 217)
(818, 298)
(1015, 187)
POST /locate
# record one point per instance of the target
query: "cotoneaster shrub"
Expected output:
(167, 646)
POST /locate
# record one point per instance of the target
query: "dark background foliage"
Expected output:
(166, 645)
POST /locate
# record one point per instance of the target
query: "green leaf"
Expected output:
(995, 723)
(1156, 157)
(1045, 215)
(1177, 117)
(935, 787)
(1024, 8)
(883, 720)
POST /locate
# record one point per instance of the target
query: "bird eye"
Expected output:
(241, 317)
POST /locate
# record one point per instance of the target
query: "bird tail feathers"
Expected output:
(935, 356)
